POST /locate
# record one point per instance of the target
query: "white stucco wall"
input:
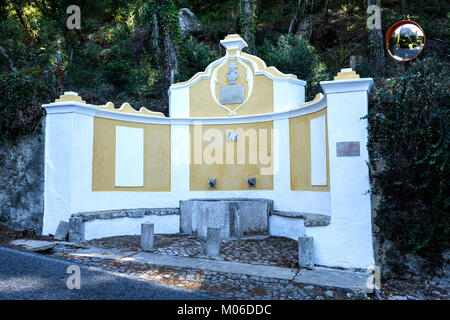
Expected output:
(69, 148)
(179, 97)
(57, 170)
(287, 95)
(346, 242)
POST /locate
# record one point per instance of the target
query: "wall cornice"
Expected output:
(94, 111)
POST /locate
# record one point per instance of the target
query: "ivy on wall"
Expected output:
(409, 129)
(20, 102)
(247, 10)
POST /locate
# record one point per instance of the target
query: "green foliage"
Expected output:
(409, 122)
(167, 10)
(336, 58)
(217, 17)
(197, 57)
(293, 54)
(21, 97)
(247, 22)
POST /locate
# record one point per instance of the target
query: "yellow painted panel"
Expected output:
(127, 108)
(300, 153)
(156, 156)
(232, 176)
(202, 103)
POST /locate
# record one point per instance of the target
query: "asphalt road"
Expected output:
(406, 53)
(31, 276)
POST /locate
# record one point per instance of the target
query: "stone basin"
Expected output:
(236, 217)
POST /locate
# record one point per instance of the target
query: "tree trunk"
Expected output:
(376, 38)
(248, 23)
(404, 6)
(295, 18)
(325, 18)
(169, 54)
(5, 54)
(155, 35)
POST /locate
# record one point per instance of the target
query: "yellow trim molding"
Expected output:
(70, 96)
(316, 98)
(346, 74)
(300, 152)
(156, 156)
(127, 108)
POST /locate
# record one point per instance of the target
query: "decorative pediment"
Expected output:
(238, 83)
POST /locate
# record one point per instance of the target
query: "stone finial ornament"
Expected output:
(346, 74)
(70, 96)
(233, 42)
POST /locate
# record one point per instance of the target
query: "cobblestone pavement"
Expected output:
(220, 285)
(271, 251)
(243, 287)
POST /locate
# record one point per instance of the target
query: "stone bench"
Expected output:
(292, 224)
(99, 224)
(310, 219)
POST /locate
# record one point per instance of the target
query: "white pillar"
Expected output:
(68, 158)
(57, 170)
(350, 240)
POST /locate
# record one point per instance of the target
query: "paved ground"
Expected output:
(405, 54)
(257, 250)
(346, 279)
(213, 279)
(25, 275)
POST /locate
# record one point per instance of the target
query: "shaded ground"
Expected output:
(405, 54)
(7, 235)
(244, 287)
(275, 251)
(25, 276)
(219, 284)
(272, 251)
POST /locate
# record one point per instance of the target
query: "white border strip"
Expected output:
(94, 111)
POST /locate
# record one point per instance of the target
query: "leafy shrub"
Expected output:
(408, 127)
(197, 56)
(293, 54)
(21, 97)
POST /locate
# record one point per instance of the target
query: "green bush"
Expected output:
(408, 128)
(293, 54)
(196, 57)
(21, 97)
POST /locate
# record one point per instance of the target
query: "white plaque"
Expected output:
(129, 157)
(232, 94)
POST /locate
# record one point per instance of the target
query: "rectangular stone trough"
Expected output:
(236, 218)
